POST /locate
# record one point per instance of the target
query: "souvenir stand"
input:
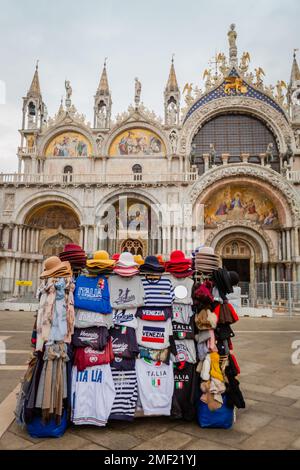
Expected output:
(122, 337)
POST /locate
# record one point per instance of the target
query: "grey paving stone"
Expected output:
(296, 404)
(145, 427)
(203, 444)
(22, 432)
(258, 388)
(224, 436)
(289, 391)
(10, 441)
(296, 444)
(264, 397)
(287, 423)
(111, 439)
(67, 442)
(269, 437)
(92, 447)
(249, 421)
(170, 440)
(278, 410)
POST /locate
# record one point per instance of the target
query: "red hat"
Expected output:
(116, 256)
(72, 247)
(177, 256)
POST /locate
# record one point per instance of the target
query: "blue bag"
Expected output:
(92, 293)
(221, 418)
(36, 428)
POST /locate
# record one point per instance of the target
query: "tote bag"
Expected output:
(36, 428)
(221, 418)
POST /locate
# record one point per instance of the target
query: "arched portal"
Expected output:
(57, 225)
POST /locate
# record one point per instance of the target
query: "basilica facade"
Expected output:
(222, 168)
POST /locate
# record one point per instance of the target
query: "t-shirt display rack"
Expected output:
(117, 339)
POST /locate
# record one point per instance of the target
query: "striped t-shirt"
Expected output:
(125, 382)
(158, 292)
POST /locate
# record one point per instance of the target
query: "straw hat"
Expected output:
(53, 266)
(100, 260)
(139, 259)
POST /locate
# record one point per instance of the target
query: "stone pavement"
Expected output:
(269, 381)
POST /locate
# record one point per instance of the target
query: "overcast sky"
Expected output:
(71, 38)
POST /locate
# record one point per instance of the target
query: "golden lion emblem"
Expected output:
(234, 84)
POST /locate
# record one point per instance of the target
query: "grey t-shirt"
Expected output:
(126, 292)
(186, 351)
(188, 283)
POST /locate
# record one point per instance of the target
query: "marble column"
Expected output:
(206, 162)
(288, 244)
(284, 253)
(20, 237)
(17, 276)
(164, 240)
(298, 272)
(10, 237)
(296, 241)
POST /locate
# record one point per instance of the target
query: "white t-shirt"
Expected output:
(154, 334)
(155, 386)
(126, 292)
(125, 317)
(188, 283)
(86, 319)
(93, 395)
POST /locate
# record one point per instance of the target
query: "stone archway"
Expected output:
(56, 223)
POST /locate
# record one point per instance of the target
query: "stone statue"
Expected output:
(269, 156)
(102, 117)
(68, 89)
(245, 61)
(289, 154)
(173, 140)
(193, 153)
(259, 73)
(137, 92)
(280, 85)
(212, 156)
(172, 114)
(297, 138)
(232, 35)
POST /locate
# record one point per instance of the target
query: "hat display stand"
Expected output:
(176, 330)
(218, 367)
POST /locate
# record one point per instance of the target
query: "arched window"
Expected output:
(68, 170)
(137, 172)
(234, 134)
(31, 109)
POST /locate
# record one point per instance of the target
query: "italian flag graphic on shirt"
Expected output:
(179, 385)
(181, 334)
(155, 382)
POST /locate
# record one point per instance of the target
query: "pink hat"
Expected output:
(126, 272)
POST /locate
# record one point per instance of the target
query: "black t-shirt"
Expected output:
(122, 363)
(186, 387)
(184, 331)
(95, 337)
(124, 342)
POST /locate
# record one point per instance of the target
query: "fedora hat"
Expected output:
(151, 264)
(54, 266)
(100, 260)
(126, 260)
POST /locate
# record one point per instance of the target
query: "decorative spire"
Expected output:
(172, 84)
(103, 88)
(232, 36)
(295, 73)
(61, 110)
(35, 90)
